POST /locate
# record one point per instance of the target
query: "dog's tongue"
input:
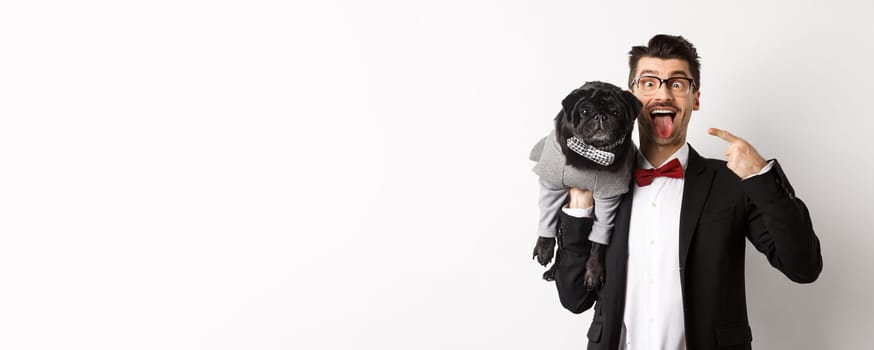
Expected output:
(664, 126)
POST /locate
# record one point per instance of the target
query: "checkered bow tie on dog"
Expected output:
(604, 158)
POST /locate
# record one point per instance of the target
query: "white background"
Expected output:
(354, 175)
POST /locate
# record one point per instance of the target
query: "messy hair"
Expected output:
(666, 47)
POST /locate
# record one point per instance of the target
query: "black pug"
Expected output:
(591, 149)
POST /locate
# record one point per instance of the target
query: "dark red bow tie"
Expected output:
(673, 169)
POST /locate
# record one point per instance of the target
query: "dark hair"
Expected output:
(666, 47)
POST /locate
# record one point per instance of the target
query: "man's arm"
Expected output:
(780, 226)
(779, 223)
(573, 251)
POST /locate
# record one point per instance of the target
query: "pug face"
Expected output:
(601, 115)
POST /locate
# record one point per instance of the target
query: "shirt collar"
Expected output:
(681, 154)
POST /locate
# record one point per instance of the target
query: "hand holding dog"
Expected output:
(742, 157)
(580, 199)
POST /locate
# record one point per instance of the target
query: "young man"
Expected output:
(675, 264)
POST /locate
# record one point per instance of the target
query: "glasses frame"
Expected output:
(636, 83)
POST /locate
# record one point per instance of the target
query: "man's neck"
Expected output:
(658, 154)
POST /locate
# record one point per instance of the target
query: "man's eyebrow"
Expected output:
(648, 72)
(673, 74)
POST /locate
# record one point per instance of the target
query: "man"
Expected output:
(675, 264)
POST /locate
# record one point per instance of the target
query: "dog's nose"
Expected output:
(600, 117)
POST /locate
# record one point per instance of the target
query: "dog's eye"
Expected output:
(585, 111)
(614, 113)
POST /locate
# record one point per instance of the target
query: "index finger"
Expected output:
(725, 135)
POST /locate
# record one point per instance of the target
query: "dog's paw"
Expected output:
(594, 280)
(544, 250)
(595, 275)
(549, 275)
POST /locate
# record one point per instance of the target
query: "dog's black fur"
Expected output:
(600, 114)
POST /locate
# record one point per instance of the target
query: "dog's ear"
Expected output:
(570, 102)
(561, 114)
(634, 105)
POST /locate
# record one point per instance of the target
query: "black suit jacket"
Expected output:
(719, 211)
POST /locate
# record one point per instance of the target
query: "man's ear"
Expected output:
(697, 97)
(634, 105)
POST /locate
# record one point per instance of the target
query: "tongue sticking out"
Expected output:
(664, 126)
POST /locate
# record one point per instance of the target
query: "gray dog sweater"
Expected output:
(557, 177)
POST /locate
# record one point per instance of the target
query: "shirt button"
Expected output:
(651, 242)
(653, 204)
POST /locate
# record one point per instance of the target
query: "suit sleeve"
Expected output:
(780, 226)
(573, 251)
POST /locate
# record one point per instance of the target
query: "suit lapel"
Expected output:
(695, 191)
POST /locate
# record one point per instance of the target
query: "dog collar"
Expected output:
(596, 155)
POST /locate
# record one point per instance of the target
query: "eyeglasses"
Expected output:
(648, 85)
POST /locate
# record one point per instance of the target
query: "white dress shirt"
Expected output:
(653, 299)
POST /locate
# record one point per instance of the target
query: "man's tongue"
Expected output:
(664, 126)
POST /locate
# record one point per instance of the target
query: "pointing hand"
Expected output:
(742, 157)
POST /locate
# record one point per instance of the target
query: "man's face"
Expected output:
(665, 114)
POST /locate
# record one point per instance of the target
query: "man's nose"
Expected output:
(663, 94)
